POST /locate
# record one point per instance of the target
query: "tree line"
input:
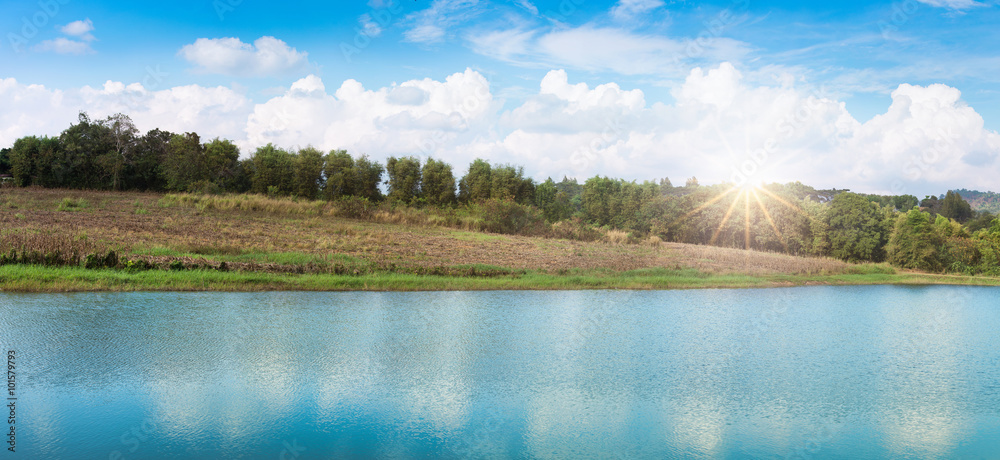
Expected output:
(936, 233)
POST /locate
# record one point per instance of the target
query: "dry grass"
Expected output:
(284, 235)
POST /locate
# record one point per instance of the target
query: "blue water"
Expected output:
(815, 372)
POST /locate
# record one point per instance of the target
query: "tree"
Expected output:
(183, 165)
(367, 177)
(22, 160)
(692, 182)
(954, 207)
(118, 158)
(274, 171)
(904, 203)
(476, 184)
(438, 183)
(82, 144)
(148, 170)
(4, 161)
(915, 242)
(340, 175)
(932, 203)
(308, 173)
(858, 229)
(404, 178)
(220, 164)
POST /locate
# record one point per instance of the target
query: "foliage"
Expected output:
(858, 228)
(404, 178)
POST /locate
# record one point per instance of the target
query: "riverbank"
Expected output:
(33, 278)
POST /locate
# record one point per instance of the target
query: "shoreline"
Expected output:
(42, 279)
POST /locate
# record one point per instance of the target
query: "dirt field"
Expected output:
(145, 225)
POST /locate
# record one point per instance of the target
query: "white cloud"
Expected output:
(952, 4)
(267, 56)
(629, 9)
(79, 29)
(64, 45)
(927, 140)
(430, 25)
(368, 26)
(37, 110)
(528, 6)
(604, 49)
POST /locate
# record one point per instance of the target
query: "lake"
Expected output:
(809, 372)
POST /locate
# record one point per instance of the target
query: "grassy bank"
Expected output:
(34, 278)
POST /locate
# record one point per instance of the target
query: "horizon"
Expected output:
(888, 98)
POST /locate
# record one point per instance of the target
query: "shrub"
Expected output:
(506, 216)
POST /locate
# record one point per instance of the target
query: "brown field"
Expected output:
(257, 233)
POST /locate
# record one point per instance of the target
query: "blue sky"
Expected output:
(850, 94)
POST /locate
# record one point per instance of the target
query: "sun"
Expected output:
(750, 185)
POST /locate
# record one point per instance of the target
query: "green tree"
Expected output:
(954, 207)
(915, 243)
(220, 164)
(404, 178)
(273, 171)
(858, 228)
(4, 161)
(438, 183)
(183, 165)
(117, 160)
(340, 175)
(308, 173)
(368, 177)
(151, 151)
(475, 185)
(22, 160)
(82, 143)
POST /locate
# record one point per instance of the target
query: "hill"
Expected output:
(981, 201)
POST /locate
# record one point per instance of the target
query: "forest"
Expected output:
(939, 234)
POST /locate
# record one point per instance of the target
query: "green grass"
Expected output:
(33, 278)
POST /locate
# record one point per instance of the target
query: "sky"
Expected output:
(878, 97)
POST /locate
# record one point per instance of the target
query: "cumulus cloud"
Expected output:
(267, 56)
(37, 110)
(719, 127)
(79, 29)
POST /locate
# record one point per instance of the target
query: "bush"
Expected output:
(508, 217)
(575, 229)
(354, 207)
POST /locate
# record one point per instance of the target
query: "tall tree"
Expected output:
(274, 171)
(955, 207)
(367, 178)
(858, 228)
(437, 183)
(183, 166)
(119, 157)
(476, 184)
(308, 173)
(404, 178)
(220, 164)
(340, 174)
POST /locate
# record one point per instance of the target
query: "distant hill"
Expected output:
(981, 201)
